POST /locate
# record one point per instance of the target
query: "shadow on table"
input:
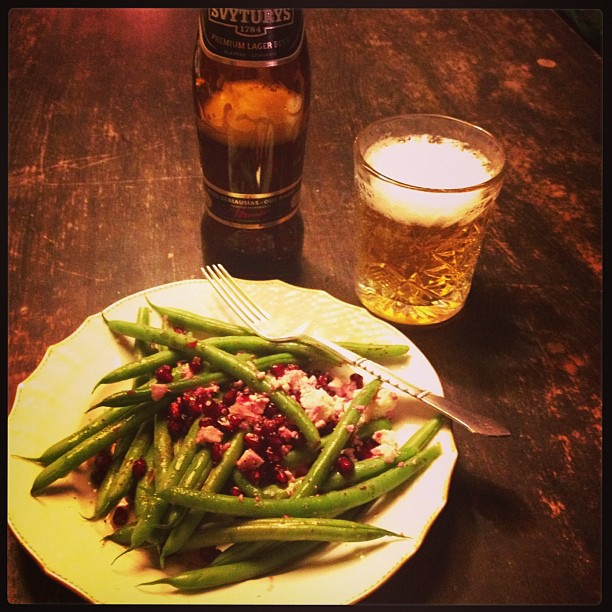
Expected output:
(427, 575)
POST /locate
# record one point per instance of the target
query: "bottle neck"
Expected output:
(251, 37)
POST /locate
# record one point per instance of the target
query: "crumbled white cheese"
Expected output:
(249, 460)
(382, 405)
(209, 434)
(158, 391)
(251, 407)
(388, 447)
(317, 403)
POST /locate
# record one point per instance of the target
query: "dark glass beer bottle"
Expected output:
(251, 89)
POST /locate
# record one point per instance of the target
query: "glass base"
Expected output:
(406, 313)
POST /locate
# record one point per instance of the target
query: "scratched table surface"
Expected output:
(105, 199)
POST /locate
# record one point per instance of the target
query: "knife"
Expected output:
(475, 423)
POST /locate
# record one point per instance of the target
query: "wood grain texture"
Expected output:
(105, 199)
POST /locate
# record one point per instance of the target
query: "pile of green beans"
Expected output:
(183, 500)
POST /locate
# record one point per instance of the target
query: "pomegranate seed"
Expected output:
(344, 465)
(216, 452)
(254, 476)
(278, 369)
(139, 468)
(163, 374)
(206, 422)
(272, 455)
(252, 440)
(230, 397)
(322, 380)
(235, 421)
(357, 379)
(364, 450)
(280, 475)
(275, 441)
(121, 516)
(225, 424)
(235, 491)
(196, 365)
(174, 410)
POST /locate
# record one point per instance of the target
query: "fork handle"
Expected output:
(473, 422)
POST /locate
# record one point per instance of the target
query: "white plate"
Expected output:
(51, 403)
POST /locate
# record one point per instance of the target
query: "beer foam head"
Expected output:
(426, 163)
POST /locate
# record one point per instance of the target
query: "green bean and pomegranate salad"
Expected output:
(227, 446)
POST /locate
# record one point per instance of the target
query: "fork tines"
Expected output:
(229, 291)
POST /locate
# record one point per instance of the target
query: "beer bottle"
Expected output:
(251, 89)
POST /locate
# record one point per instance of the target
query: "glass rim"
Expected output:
(497, 177)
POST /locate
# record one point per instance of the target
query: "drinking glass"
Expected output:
(425, 187)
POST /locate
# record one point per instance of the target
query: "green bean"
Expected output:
(163, 450)
(148, 522)
(185, 343)
(142, 348)
(118, 479)
(125, 398)
(56, 450)
(333, 445)
(376, 351)
(220, 475)
(139, 367)
(365, 430)
(373, 466)
(213, 484)
(218, 575)
(194, 322)
(193, 478)
(122, 535)
(426, 431)
(145, 494)
(245, 485)
(241, 551)
(319, 505)
(322, 465)
(181, 460)
(286, 529)
(92, 445)
(199, 469)
(172, 475)
(120, 449)
(258, 346)
(302, 455)
(145, 487)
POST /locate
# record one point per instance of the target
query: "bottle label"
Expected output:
(252, 211)
(251, 36)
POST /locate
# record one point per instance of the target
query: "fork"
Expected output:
(261, 323)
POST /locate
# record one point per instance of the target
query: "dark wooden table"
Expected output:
(105, 199)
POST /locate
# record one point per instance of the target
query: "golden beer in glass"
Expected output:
(425, 186)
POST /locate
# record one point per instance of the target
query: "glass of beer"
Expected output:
(425, 186)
